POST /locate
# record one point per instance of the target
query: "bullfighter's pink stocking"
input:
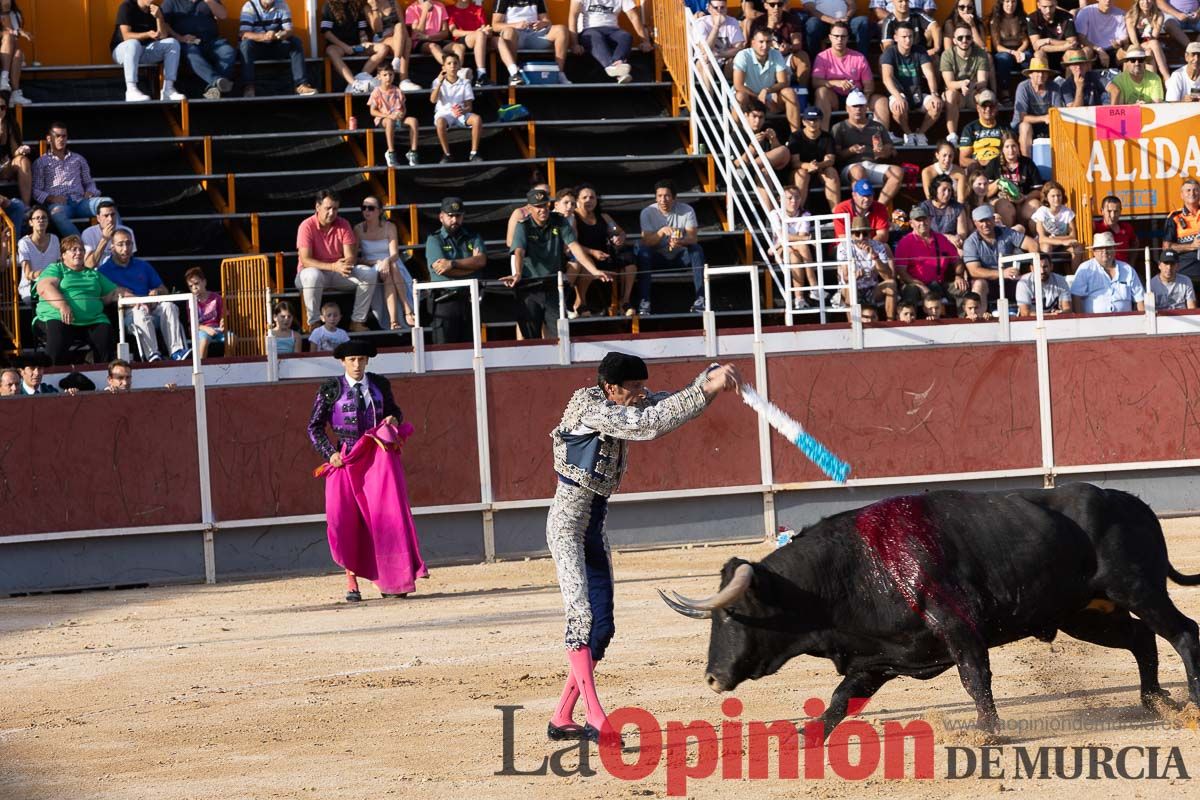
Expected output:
(582, 668)
(566, 703)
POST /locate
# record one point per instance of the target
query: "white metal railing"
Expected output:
(752, 189)
(193, 321)
(1003, 314)
(819, 224)
(418, 332)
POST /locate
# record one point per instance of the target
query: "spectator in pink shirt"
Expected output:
(838, 71)
(927, 261)
(327, 255)
(429, 22)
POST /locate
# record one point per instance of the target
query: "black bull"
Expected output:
(914, 585)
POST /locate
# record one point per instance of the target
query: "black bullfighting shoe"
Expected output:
(564, 733)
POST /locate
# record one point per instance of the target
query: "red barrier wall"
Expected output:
(103, 461)
(98, 461)
(262, 461)
(1125, 400)
(911, 412)
(718, 449)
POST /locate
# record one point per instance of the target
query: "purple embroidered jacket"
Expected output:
(335, 407)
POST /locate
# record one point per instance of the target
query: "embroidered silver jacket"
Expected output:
(591, 442)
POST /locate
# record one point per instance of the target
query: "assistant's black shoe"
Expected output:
(354, 596)
(564, 733)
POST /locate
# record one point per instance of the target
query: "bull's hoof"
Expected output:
(1160, 703)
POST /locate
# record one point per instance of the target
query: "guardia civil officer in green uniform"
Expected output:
(453, 252)
(540, 246)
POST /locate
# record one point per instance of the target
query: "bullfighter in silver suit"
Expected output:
(590, 449)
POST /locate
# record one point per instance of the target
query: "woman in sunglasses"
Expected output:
(379, 247)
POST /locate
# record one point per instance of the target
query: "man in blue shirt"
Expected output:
(211, 58)
(139, 277)
(1105, 285)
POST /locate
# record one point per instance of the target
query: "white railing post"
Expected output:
(563, 324)
(1043, 375)
(207, 518)
(710, 318)
(1151, 303)
(122, 344)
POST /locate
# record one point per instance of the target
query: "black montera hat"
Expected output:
(354, 347)
(616, 368)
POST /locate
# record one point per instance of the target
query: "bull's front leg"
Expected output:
(858, 685)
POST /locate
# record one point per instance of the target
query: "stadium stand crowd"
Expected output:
(924, 130)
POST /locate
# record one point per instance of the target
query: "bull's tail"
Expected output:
(1181, 579)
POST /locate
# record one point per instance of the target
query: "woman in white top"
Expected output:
(36, 251)
(1055, 223)
(379, 247)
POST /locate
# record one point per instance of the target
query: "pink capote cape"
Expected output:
(371, 530)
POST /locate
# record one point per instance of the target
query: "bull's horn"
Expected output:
(736, 587)
(680, 608)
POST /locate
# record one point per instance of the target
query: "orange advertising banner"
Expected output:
(1141, 154)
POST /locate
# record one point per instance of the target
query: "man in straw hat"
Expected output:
(1080, 85)
(1101, 29)
(1031, 108)
(1135, 85)
(1103, 284)
(590, 456)
(371, 531)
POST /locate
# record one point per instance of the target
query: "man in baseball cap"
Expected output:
(1170, 289)
(862, 203)
(864, 148)
(813, 156)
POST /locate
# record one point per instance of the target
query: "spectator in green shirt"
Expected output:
(1135, 85)
(71, 303)
(453, 253)
(539, 250)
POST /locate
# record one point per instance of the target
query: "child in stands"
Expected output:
(906, 312)
(210, 311)
(972, 307)
(452, 97)
(328, 335)
(387, 109)
(286, 339)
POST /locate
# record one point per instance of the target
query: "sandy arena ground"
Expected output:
(277, 689)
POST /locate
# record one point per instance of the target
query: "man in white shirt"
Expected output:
(97, 239)
(721, 32)
(1170, 289)
(1104, 285)
(1056, 292)
(1101, 29)
(1184, 84)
